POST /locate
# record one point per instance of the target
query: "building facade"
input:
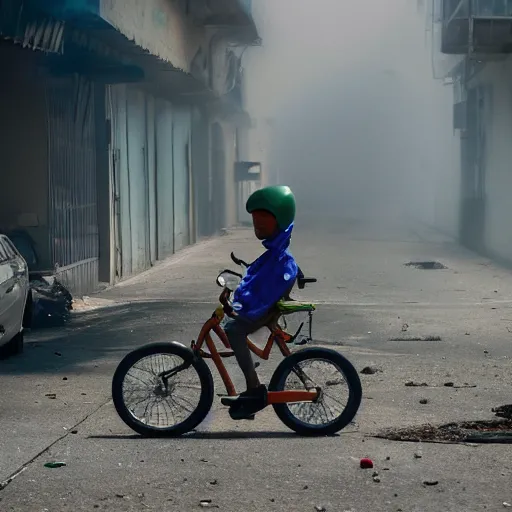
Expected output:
(122, 120)
(472, 47)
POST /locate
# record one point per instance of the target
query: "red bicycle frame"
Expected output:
(277, 335)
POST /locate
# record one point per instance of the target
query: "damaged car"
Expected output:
(15, 298)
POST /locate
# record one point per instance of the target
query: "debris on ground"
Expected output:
(55, 464)
(366, 463)
(416, 338)
(320, 508)
(207, 504)
(370, 370)
(426, 265)
(412, 384)
(494, 431)
(430, 482)
(423, 401)
(86, 304)
(51, 302)
(503, 411)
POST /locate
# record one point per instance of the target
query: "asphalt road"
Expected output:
(367, 297)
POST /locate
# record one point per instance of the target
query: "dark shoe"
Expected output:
(248, 403)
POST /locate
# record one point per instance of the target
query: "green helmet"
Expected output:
(277, 200)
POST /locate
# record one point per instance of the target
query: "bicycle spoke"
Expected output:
(153, 402)
(314, 374)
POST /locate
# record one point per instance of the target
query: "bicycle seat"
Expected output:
(293, 306)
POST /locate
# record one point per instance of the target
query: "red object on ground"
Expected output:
(366, 463)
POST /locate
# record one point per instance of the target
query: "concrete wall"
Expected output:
(23, 147)
(498, 179)
(159, 26)
(436, 162)
(439, 169)
(260, 106)
(226, 188)
(230, 190)
(162, 28)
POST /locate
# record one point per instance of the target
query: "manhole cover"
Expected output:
(494, 431)
(426, 265)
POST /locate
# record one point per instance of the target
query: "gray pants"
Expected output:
(237, 330)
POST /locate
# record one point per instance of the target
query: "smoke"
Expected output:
(360, 128)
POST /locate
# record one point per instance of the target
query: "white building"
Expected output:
(472, 46)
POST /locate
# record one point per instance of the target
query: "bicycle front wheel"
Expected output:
(336, 379)
(162, 390)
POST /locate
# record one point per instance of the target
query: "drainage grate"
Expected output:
(426, 265)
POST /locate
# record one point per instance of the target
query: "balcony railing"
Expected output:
(477, 27)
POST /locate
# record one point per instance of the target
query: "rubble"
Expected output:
(370, 370)
(51, 302)
(499, 431)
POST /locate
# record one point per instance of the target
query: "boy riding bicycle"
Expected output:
(268, 279)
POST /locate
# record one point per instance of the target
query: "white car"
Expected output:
(15, 298)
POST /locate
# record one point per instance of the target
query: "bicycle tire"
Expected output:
(277, 383)
(195, 418)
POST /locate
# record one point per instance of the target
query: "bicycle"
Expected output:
(308, 411)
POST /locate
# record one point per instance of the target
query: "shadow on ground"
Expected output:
(106, 334)
(226, 436)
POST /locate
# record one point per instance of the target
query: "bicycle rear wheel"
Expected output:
(155, 406)
(337, 381)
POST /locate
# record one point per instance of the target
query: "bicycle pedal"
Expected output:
(228, 401)
(250, 417)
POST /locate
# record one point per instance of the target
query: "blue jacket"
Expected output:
(267, 279)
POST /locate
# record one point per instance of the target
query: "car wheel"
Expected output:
(13, 347)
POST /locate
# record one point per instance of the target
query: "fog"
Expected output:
(347, 111)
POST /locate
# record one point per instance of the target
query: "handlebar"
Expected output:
(302, 281)
(238, 261)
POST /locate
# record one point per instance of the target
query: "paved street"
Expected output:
(367, 297)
